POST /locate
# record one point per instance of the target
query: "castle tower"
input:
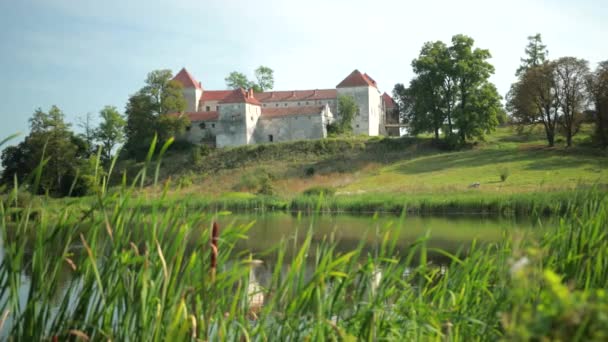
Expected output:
(239, 113)
(192, 90)
(363, 89)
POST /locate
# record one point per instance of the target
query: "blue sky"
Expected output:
(82, 55)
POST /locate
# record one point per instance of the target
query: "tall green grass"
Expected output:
(131, 269)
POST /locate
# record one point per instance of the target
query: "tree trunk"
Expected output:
(568, 138)
(436, 133)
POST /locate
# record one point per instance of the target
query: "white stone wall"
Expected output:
(292, 127)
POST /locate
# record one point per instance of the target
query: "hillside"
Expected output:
(386, 165)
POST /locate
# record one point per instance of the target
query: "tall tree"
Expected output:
(52, 141)
(471, 72)
(536, 54)
(534, 99)
(88, 131)
(597, 85)
(263, 74)
(111, 131)
(237, 80)
(147, 111)
(571, 75)
(347, 109)
(265, 77)
(433, 90)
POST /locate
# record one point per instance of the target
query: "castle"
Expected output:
(240, 117)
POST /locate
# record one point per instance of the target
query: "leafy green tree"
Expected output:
(52, 144)
(111, 131)
(237, 80)
(265, 77)
(347, 109)
(263, 74)
(597, 85)
(450, 87)
(571, 75)
(147, 111)
(88, 132)
(471, 73)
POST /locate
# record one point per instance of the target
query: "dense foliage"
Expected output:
(557, 94)
(264, 80)
(451, 91)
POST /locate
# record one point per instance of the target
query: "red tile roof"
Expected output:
(388, 101)
(187, 80)
(357, 79)
(240, 96)
(296, 95)
(199, 116)
(215, 95)
(273, 112)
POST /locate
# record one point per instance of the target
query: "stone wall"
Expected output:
(192, 97)
(202, 132)
(292, 127)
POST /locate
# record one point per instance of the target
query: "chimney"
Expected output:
(250, 93)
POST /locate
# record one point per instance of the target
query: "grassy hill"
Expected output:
(390, 172)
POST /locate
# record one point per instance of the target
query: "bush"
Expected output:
(318, 190)
(310, 171)
(504, 173)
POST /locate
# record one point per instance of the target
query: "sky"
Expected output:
(82, 55)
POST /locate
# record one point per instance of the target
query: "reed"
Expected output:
(133, 269)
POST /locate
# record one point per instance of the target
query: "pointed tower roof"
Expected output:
(388, 100)
(187, 80)
(357, 79)
(241, 96)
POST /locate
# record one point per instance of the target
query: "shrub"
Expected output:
(310, 171)
(318, 190)
(504, 173)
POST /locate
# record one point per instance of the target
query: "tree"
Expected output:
(159, 97)
(263, 74)
(110, 132)
(347, 108)
(534, 99)
(450, 87)
(87, 135)
(536, 54)
(471, 72)
(52, 144)
(236, 80)
(432, 91)
(265, 77)
(597, 85)
(571, 75)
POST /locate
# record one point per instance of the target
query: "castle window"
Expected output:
(212, 125)
(306, 102)
(264, 105)
(298, 103)
(285, 104)
(202, 125)
(357, 125)
(207, 108)
(270, 138)
(217, 108)
(188, 128)
(277, 105)
(251, 118)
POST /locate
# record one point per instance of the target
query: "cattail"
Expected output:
(215, 232)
